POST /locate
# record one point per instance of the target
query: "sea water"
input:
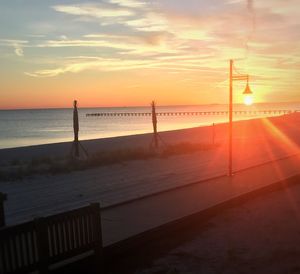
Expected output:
(42, 126)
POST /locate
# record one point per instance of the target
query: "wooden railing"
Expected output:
(43, 242)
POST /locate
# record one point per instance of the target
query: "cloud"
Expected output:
(92, 63)
(10, 42)
(186, 39)
(152, 38)
(151, 21)
(93, 10)
(19, 51)
(78, 64)
(16, 44)
(150, 44)
(129, 3)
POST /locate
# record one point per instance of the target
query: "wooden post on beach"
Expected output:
(76, 145)
(154, 122)
(3, 198)
(76, 129)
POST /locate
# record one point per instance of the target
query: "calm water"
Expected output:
(42, 126)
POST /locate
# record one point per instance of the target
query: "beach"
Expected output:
(31, 127)
(255, 142)
(145, 196)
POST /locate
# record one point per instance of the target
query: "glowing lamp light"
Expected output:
(248, 98)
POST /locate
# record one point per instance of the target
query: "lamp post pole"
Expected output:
(247, 92)
(230, 120)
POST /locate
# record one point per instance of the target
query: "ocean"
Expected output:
(43, 126)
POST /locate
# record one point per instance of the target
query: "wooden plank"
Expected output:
(22, 250)
(67, 234)
(3, 198)
(80, 223)
(42, 244)
(62, 236)
(72, 238)
(9, 254)
(57, 238)
(3, 261)
(15, 252)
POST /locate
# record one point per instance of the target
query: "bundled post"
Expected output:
(154, 123)
(156, 137)
(76, 144)
(76, 129)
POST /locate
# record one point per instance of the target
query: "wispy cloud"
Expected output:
(151, 21)
(129, 3)
(17, 45)
(10, 42)
(93, 10)
(78, 64)
(92, 63)
(19, 51)
(122, 47)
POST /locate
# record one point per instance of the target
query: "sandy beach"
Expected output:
(257, 129)
(255, 142)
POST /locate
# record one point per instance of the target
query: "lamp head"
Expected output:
(247, 89)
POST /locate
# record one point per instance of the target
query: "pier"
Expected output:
(193, 113)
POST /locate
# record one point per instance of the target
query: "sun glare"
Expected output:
(248, 100)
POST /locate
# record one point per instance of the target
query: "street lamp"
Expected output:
(247, 92)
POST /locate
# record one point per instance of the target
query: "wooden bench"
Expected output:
(44, 242)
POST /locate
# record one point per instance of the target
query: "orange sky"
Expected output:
(128, 52)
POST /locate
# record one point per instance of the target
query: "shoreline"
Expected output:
(201, 134)
(62, 149)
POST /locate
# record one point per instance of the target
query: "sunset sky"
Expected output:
(128, 52)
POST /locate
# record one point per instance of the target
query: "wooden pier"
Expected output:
(192, 113)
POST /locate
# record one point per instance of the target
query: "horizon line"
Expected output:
(139, 106)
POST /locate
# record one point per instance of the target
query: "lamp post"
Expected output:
(247, 92)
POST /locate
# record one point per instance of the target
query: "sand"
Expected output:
(259, 236)
(255, 142)
(252, 129)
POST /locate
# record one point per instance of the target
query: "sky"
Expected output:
(130, 52)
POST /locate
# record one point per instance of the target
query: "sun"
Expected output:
(248, 100)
